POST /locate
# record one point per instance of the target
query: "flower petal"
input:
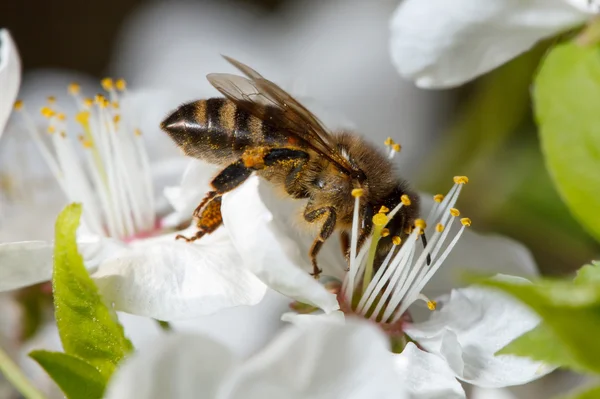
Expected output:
(472, 325)
(178, 366)
(444, 43)
(326, 361)
(30, 262)
(10, 76)
(263, 243)
(481, 253)
(426, 375)
(303, 320)
(170, 280)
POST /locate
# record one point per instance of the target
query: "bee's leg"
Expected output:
(326, 230)
(207, 221)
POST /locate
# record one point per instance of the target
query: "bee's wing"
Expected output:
(256, 92)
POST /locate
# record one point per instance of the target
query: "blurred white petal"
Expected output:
(267, 250)
(425, 375)
(444, 43)
(487, 393)
(306, 320)
(472, 325)
(10, 76)
(170, 280)
(588, 6)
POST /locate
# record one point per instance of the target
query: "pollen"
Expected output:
(357, 192)
(405, 200)
(420, 223)
(61, 116)
(388, 142)
(396, 147)
(137, 132)
(74, 88)
(466, 222)
(439, 227)
(385, 232)
(63, 134)
(380, 219)
(51, 100)
(431, 305)
(83, 117)
(116, 119)
(51, 129)
(107, 84)
(461, 179)
(384, 209)
(18, 105)
(438, 197)
(88, 102)
(115, 104)
(121, 84)
(47, 112)
(396, 240)
(454, 212)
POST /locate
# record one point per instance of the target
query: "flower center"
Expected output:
(384, 292)
(115, 187)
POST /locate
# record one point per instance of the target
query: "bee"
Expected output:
(259, 128)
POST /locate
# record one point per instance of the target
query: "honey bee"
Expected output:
(260, 128)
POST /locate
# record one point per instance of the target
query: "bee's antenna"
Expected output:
(424, 240)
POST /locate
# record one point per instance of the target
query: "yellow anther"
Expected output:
(396, 147)
(380, 219)
(63, 134)
(83, 117)
(61, 116)
(74, 88)
(47, 112)
(99, 99)
(115, 104)
(439, 227)
(388, 142)
(438, 197)
(385, 232)
(431, 305)
(121, 84)
(405, 200)
(420, 223)
(384, 209)
(88, 102)
(396, 240)
(51, 100)
(357, 192)
(454, 212)
(137, 132)
(466, 222)
(107, 84)
(408, 230)
(18, 105)
(51, 129)
(461, 179)
(116, 118)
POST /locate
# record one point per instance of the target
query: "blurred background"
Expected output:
(334, 55)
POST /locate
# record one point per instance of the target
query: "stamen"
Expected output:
(461, 179)
(385, 232)
(431, 305)
(466, 222)
(396, 240)
(405, 200)
(384, 209)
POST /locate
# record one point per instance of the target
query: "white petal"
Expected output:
(589, 6)
(444, 43)
(325, 361)
(425, 375)
(177, 366)
(263, 243)
(194, 185)
(307, 320)
(480, 253)
(30, 262)
(487, 393)
(170, 280)
(10, 76)
(471, 326)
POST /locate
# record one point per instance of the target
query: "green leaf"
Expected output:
(592, 393)
(76, 378)
(566, 98)
(88, 329)
(570, 312)
(588, 274)
(541, 344)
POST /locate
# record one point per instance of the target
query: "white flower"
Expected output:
(139, 266)
(459, 339)
(325, 361)
(10, 76)
(444, 43)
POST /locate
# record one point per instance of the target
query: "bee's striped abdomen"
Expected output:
(219, 131)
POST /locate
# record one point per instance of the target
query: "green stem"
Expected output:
(15, 376)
